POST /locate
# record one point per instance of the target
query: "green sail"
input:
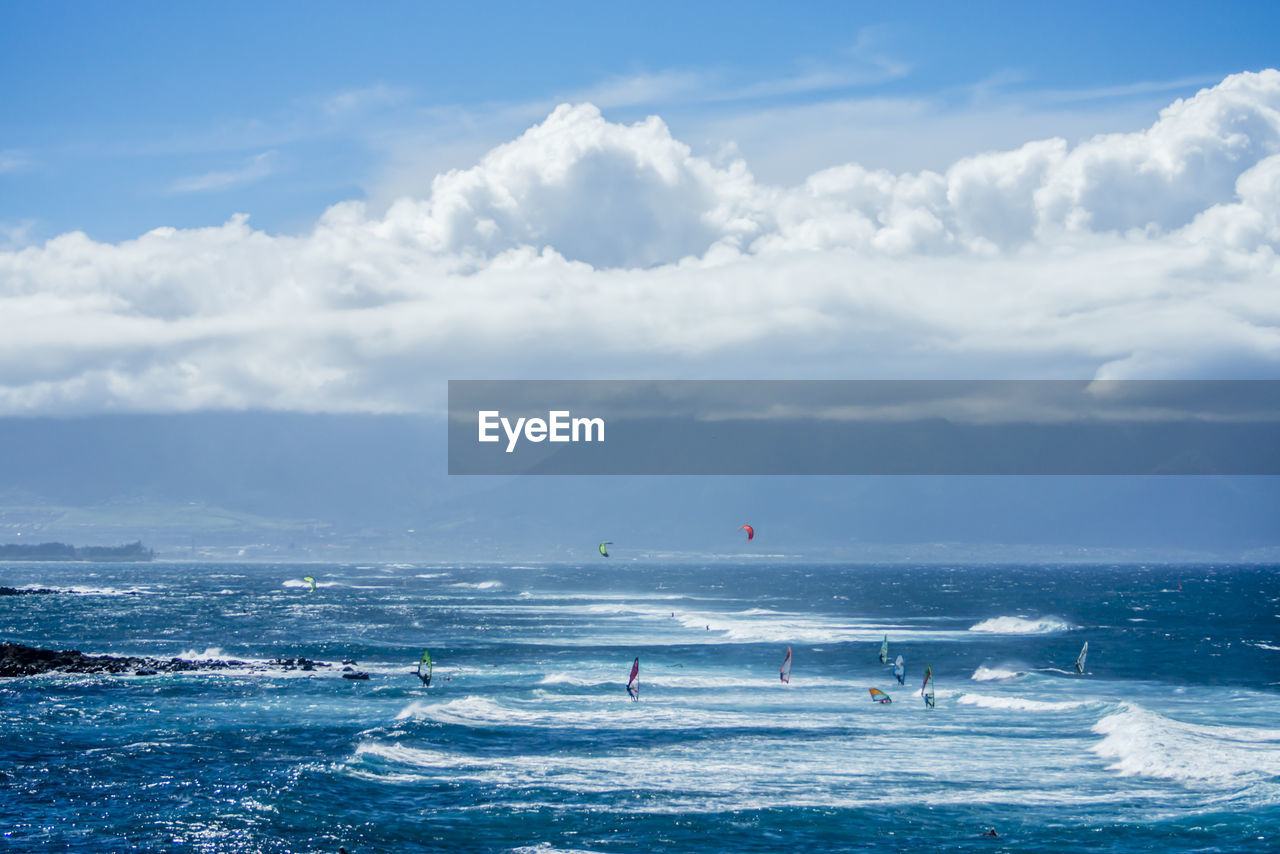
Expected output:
(424, 666)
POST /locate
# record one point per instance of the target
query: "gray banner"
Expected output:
(864, 427)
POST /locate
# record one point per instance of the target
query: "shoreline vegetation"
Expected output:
(134, 552)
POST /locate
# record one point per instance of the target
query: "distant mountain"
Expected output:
(131, 553)
(288, 486)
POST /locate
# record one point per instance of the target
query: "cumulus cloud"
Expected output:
(588, 248)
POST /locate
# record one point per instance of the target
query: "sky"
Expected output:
(118, 120)
(306, 209)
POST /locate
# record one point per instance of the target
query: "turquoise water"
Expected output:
(526, 740)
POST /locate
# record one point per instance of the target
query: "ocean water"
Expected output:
(527, 742)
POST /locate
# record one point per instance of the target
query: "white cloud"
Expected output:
(255, 168)
(586, 248)
(350, 101)
(1145, 87)
(12, 160)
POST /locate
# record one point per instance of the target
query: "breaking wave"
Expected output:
(1021, 625)
(1147, 744)
(992, 674)
(1017, 704)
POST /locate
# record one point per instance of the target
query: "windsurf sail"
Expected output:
(926, 688)
(751, 532)
(884, 650)
(424, 667)
(900, 670)
(1084, 650)
(310, 581)
(879, 696)
(603, 551)
(633, 685)
(785, 673)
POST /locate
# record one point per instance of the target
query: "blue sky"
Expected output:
(121, 118)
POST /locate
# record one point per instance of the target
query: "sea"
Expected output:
(527, 741)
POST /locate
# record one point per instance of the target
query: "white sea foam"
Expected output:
(211, 652)
(106, 591)
(629, 596)
(716, 775)
(480, 585)
(681, 679)
(474, 711)
(567, 679)
(298, 582)
(992, 674)
(724, 770)
(763, 625)
(1144, 743)
(1017, 704)
(1021, 625)
(415, 756)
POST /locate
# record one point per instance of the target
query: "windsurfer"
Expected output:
(424, 673)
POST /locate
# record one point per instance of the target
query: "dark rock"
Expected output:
(356, 675)
(20, 660)
(25, 591)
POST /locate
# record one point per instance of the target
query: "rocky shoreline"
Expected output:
(20, 660)
(24, 591)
